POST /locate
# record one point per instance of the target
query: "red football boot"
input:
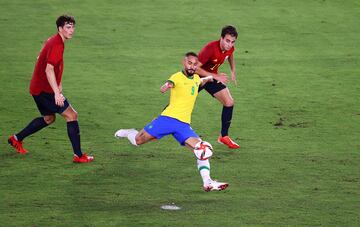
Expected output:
(228, 142)
(18, 145)
(83, 159)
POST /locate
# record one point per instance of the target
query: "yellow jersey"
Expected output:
(182, 96)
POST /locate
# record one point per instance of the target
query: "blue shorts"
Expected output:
(45, 102)
(163, 126)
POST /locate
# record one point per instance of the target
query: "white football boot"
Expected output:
(215, 186)
(124, 132)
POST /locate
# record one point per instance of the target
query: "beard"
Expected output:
(190, 72)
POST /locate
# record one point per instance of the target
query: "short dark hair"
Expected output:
(190, 53)
(231, 30)
(64, 19)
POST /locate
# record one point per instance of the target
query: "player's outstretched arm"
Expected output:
(206, 79)
(168, 84)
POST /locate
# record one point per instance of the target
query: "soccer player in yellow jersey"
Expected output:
(176, 118)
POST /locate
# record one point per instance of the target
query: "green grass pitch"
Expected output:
(297, 115)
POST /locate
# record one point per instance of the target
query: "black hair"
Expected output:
(64, 19)
(231, 30)
(191, 54)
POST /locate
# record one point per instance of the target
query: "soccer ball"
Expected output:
(203, 150)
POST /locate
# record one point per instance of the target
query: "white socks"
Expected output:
(204, 169)
(131, 136)
(128, 133)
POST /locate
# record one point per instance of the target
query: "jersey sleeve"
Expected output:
(205, 54)
(173, 79)
(54, 55)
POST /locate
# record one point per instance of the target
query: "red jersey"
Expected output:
(211, 56)
(51, 53)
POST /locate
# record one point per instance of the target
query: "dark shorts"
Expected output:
(163, 126)
(213, 87)
(45, 102)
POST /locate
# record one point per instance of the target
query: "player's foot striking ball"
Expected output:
(175, 120)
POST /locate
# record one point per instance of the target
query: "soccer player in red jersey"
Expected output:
(211, 57)
(46, 89)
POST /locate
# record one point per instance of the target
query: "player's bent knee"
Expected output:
(229, 103)
(72, 116)
(49, 119)
(75, 116)
(203, 150)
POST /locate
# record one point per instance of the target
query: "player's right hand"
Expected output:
(222, 78)
(59, 99)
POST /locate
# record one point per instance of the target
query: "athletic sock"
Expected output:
(34, 126)
(204, 169)
(74, 136)
(131, 136)
(226, 117)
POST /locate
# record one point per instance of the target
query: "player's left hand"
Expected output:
(59, 99)
(221, 78)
